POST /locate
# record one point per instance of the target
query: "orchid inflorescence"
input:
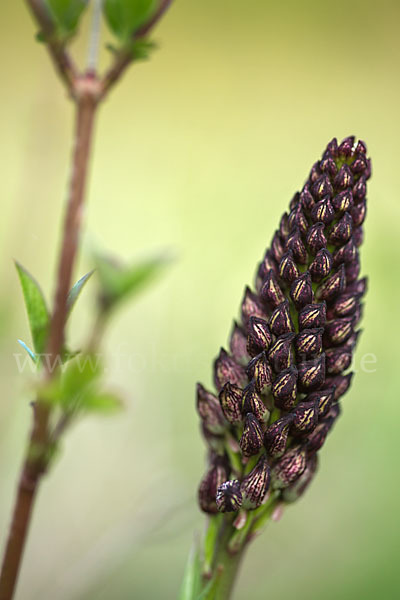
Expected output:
(279, 387)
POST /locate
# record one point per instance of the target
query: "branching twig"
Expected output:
(60, 57)
(87, 90)
(124, 58)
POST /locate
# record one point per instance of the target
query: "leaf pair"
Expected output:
(38, 314)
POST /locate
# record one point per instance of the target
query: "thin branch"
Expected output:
(125, 57)
(37, 455)
(72, 224)
(61, 59)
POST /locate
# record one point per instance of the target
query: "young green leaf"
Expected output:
(100, 402)
(192, 576)
(76, 290)
(36, 308)
(118, 282)
(80, 374)
(125, 17)
(66, 14)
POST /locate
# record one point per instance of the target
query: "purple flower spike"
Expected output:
(278, 388)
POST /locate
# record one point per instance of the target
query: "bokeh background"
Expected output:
(197, 153)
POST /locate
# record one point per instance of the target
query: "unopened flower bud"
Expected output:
(296, 245)
(315, 173)
(317, 438)
(316, 239)
(361, 147)
(252, 403)
(287, 267)
(259, 334)
(341, 383)
(344, 178)
(284, 388)
(280, 321)
(338, 360)
(215, 476)
(321, 265)
(358, 287)
(323, 399)
(281, 354)
(309, 342)
(229, 496)
(288, 468)
(346, 253)
(297, 489)
(312, 373)
(333, 286)
(323, 211)
(255, 485)
(259, 370)
(251, 306)
(312, 316)
(284, 226)
(328, 165)
(322, 188)
(271, 292)
(360, 189)
(213, 441)
(301, 290)
(358, 236)
(210, 411)
(352, 271)
(339, 330)
(360, 164)
(332, 148)
(358, 213)
(298, 219)
(345, 305)
(238, 345)
(268, 264)
(306, 199)
(333, 413)
(343, 201)
(277, 249)
(252, 436)
(346, 147)
(226, 369)
(342, 230)
(275, 437)
(230, 398)
(305, 418)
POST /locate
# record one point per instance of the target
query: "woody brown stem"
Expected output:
(87, 91)
(37, 454)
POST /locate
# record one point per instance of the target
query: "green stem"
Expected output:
(226, 564)
(229, 547)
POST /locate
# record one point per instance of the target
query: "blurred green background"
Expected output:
(198, 152)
